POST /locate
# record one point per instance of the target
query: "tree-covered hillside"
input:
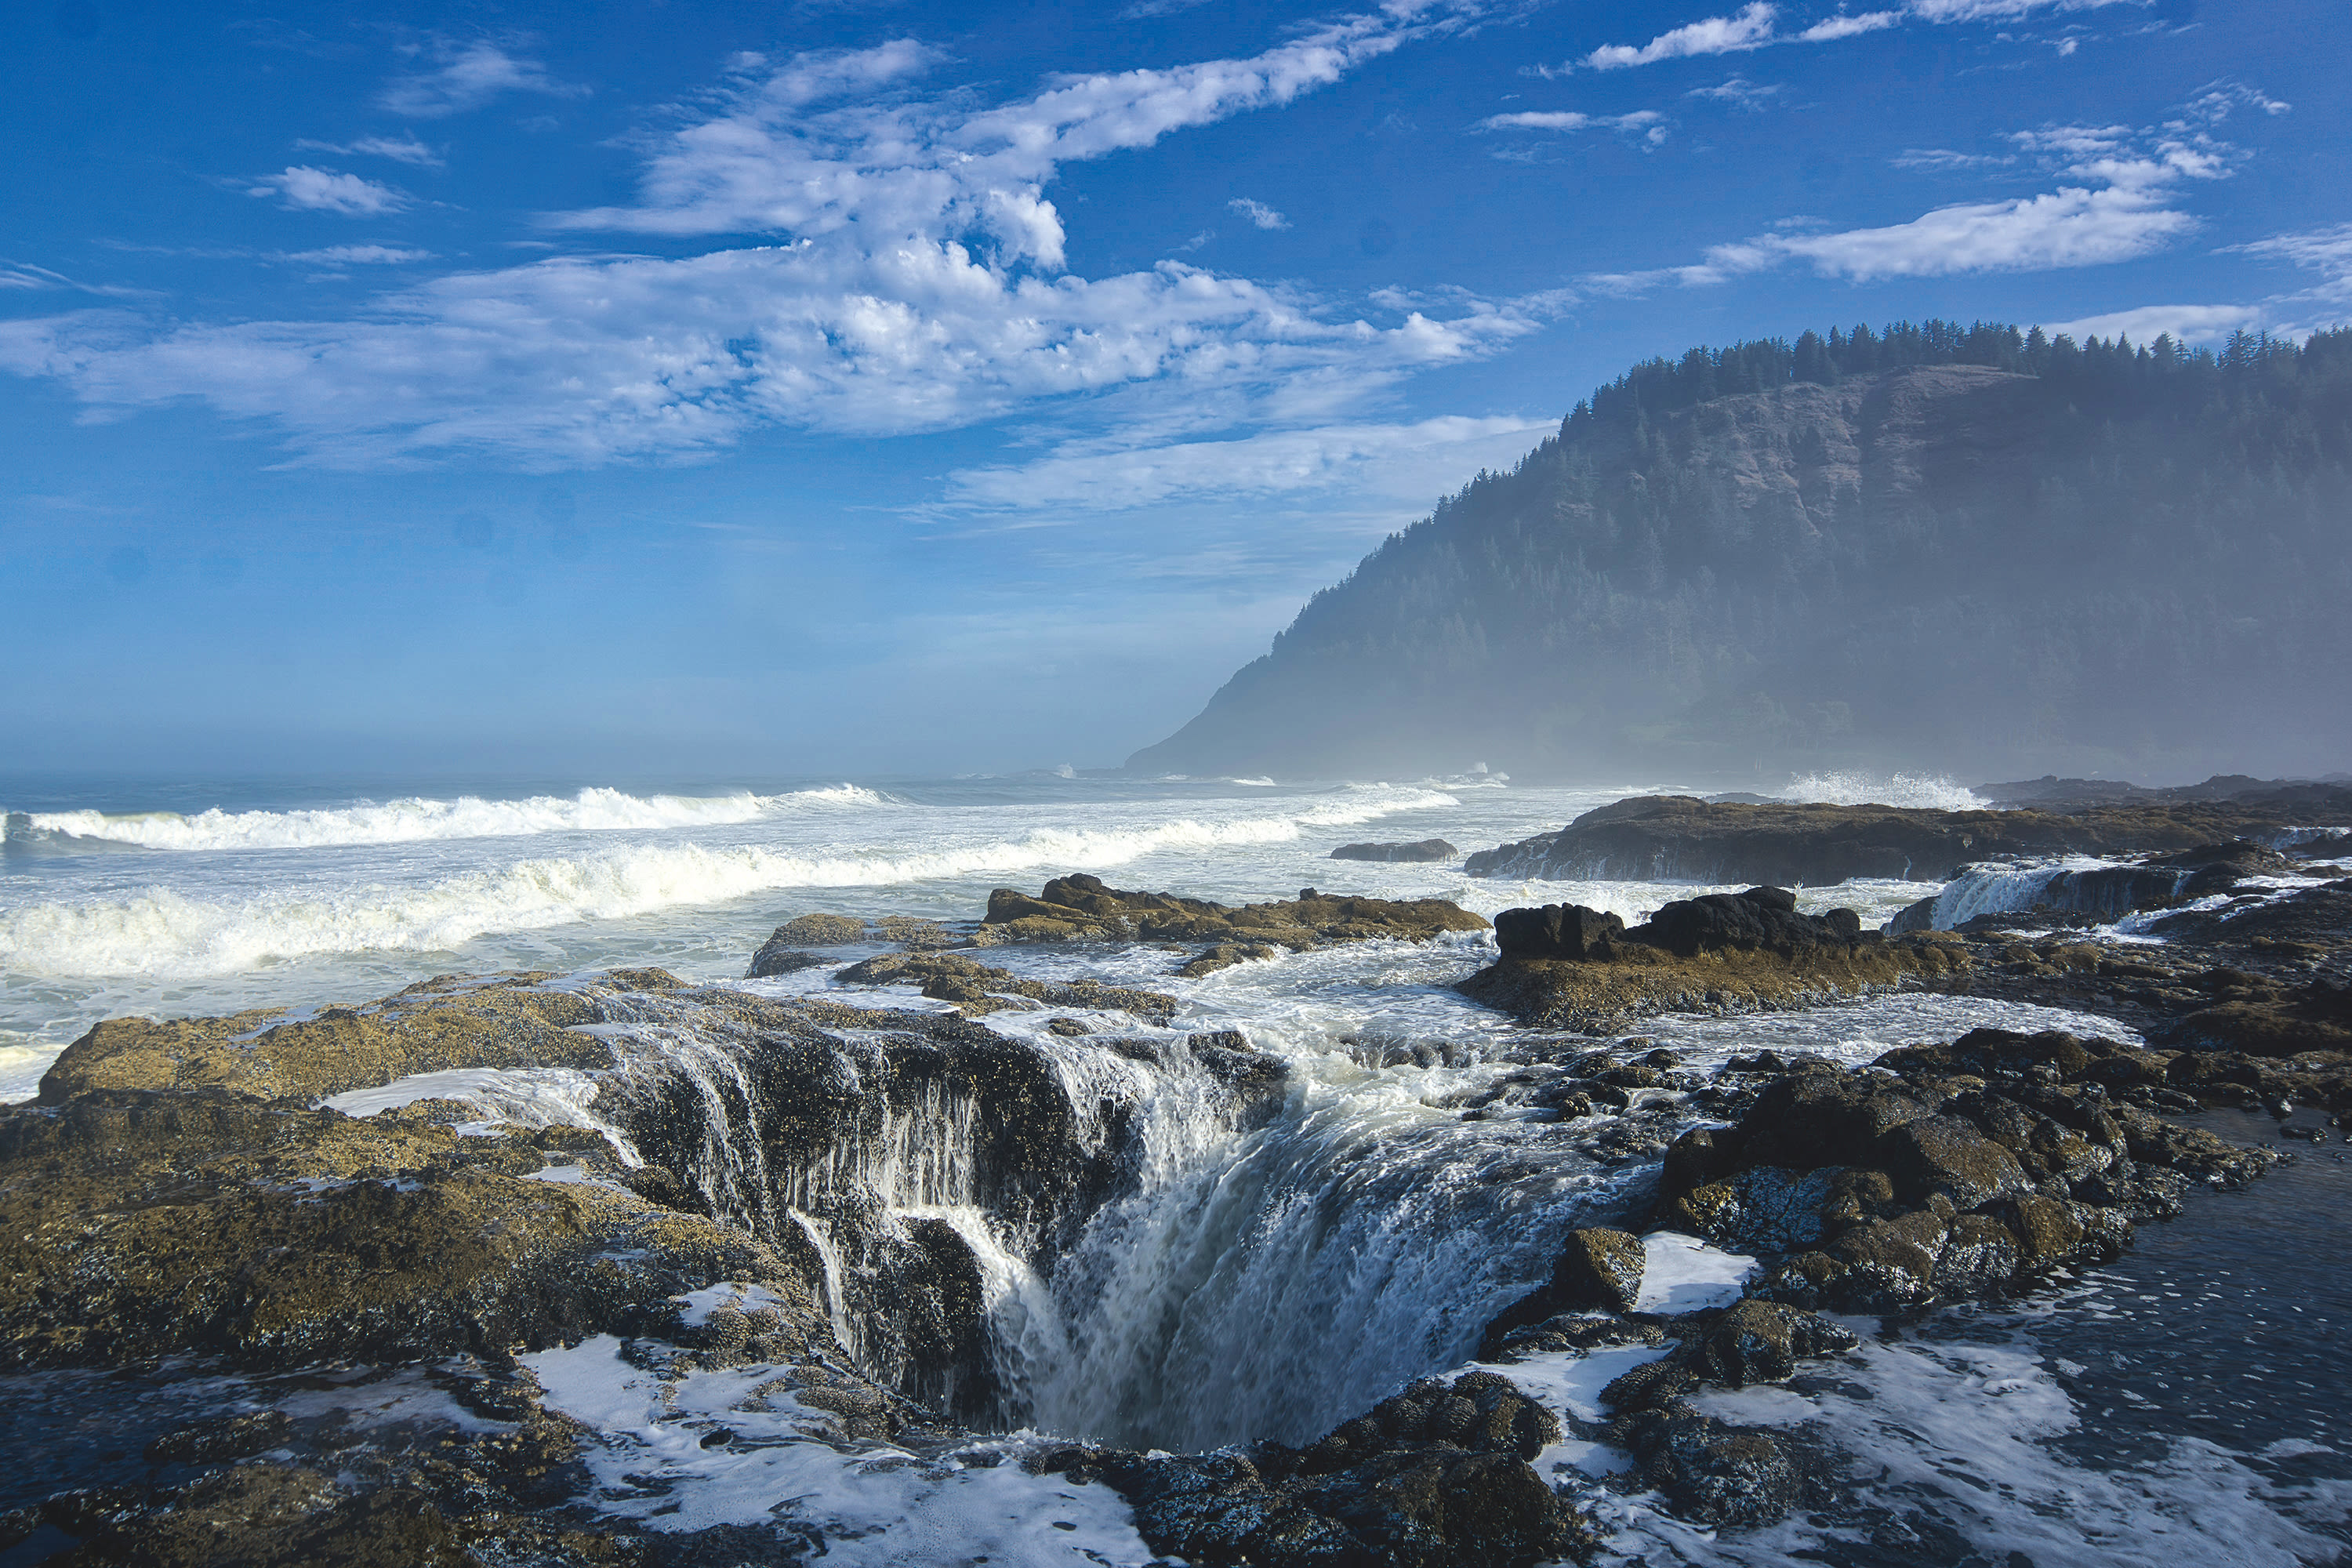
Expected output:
(1965, 548)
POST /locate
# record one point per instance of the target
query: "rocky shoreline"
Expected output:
(284, 1226)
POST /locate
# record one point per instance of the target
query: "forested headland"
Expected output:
(1966, 548)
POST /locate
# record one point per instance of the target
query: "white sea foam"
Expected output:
(419, 819)
(525, 1096)
(1920, 790)
(1962, 1430)
(1682, 1274)
(872, 1505)
(158, 931)
(1999, 889)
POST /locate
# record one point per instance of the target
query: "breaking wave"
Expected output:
(417, 819)
(159, 932)
(1913, 790)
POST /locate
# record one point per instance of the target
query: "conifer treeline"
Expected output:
(2247, 363)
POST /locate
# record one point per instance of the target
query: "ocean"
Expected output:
(1261, 1282)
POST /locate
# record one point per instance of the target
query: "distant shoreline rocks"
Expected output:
(1427, 849)
(1683, 837)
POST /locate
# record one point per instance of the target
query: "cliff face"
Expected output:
(1947, 565)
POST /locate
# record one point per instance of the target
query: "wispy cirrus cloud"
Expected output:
(1646, 121)
(401, 148)
(1759, 25)
(308, 189)
(2326, 301)
(360, 256)
(2123, 205)
(2183, 323)
(1739, 90)
(1410, 463)
(908, 273)
(1942, 160)
(1260, 215)
(466, 76)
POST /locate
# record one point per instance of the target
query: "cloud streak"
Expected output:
(1758, 27)
(1258, 213)
(1568, 120)
(403, 149)
(1410, 463)
(304, 188)
(466, 77)
(2124, 207)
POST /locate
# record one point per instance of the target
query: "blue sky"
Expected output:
(719, 389)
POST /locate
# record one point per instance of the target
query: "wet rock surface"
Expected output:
(1425, 849)
(170, 1204)
(1566, 966)
(1942, 1173)
(1082, 909)
(1436, 1476)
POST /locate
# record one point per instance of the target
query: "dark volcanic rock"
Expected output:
(775, 958)
(1762, 1341)
(1427, 849)
(1947, 1171)
(1597, 1270)
(1556, 930)
(1081, 908)
(1713, 1471)
(1566, 966)
(1436, 1476)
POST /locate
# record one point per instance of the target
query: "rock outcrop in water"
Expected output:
(1081, 908)
(1565, 966)
(1682, 837)
(1942, 1173)
(1427, 849)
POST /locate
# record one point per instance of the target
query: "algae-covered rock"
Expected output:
(142, 1225)
(1082, 909)
(977, 989)
(435, 1026)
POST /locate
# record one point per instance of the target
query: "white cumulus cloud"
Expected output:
(908, 274)
(1751, 28)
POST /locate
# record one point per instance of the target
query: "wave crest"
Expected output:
(158, 932)
(417, 819)
(1913, 791)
